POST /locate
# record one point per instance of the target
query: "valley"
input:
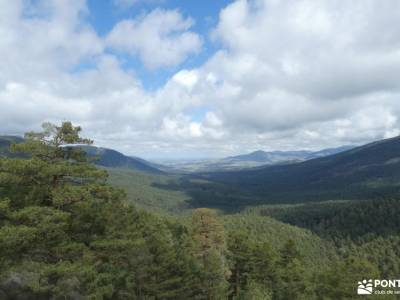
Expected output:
(252, 160)
(336, 213)
(199, 150)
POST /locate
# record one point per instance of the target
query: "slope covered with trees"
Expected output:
(114, 159)
(65, 233)
(5, 143)
(342, 219)
(101, 156)
(367, 172)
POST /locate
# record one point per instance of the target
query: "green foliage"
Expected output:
(367, 172)
(66, 233)
(339, 280)
(210, 252)
(291, 276)
(146, 190)
(366, 229)
(113, 159)
(383, 252)
(354, 219)
(6, 142)
(315, 251)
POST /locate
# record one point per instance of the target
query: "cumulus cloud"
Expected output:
(161, 38)
(41, 80)
(327, 49)
(287, 75)
(289, 65)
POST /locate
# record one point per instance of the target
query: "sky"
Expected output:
(195, 79)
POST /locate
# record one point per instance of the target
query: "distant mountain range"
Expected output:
(365, 172)
(274, 157)
(369, 171)
(114, 159)
(251, 160)
(105, 157)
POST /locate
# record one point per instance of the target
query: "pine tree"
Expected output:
(66, 234)
(55, 204)
(339, 281)
(240, 251)
(263, 265)
(290, 281)
(210, 252)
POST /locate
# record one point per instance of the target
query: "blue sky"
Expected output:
(105, 14)
(145, 77)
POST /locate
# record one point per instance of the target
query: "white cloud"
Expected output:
(186, 78)
(161, 38)
(328, 49)
(289, 75)
(296, 67)
(54, 37)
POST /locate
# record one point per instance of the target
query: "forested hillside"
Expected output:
(5, 142)
(251, 160)
(66, 233)
(100, 156)
(114, 159)
(367, 172)
(146, 190)
(355, 219)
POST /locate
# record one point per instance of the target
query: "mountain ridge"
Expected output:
(114, 159)
(254, 159)
(105, 157)
(261, 155)
(368, 171)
